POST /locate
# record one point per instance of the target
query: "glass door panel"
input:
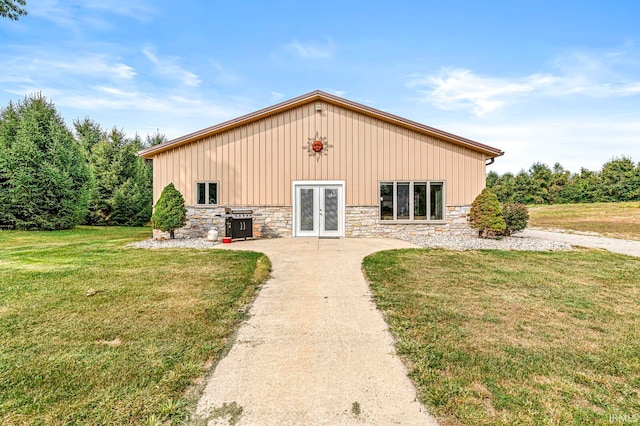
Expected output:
(330, 210)
(307, 201)
(307, 211)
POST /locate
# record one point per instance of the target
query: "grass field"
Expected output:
(92, 332)
(495, 337)
(619, 220)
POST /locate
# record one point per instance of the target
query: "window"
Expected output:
(406, 201)
(207, 193)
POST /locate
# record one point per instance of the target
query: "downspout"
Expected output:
(491, 161)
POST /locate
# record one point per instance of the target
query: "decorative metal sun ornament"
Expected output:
(317, 146)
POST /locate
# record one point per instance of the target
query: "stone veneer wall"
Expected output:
(361, 222)
(267, 222)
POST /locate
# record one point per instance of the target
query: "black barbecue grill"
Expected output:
(239, 223)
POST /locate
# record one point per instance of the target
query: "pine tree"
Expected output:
(122, 194)
(44, 178)
(170, 212)
(486, 215)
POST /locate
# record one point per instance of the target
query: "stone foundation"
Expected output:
(267, 222)
(361, 222)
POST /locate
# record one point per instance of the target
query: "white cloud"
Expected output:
(576, 74)
(339, 93)
(276, 96)
(36, 65)
(168, 66)
(574, 142)
(74, 14)
(310, 50)
(459, 88)
(139, 10)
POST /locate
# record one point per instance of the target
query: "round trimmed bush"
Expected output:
(486, 215)
(170, 212)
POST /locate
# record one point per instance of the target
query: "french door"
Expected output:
(318, 209)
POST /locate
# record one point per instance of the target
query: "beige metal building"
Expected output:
(321, 165)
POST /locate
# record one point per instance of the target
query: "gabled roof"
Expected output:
(326, 97)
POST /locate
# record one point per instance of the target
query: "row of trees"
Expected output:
(55, 178)
(618, 180)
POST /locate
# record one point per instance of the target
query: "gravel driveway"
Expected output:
(628, 247)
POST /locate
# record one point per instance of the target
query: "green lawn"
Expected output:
(92, 332)
(619, 220)
(494, 337)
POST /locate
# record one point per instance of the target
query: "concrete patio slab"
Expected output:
(315, 350)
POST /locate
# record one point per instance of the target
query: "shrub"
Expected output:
(515, 217)
(170, 213)
(486, 215)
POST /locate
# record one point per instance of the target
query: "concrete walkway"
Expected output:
(315, 350)
(628, 247)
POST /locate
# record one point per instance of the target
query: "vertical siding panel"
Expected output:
(324, 126)
(342, 151)
(358, 162)
(251, 171)
(204, 158)
(420, 155)
(296, 134)
(262, 162)
(270, 163)
(259, 162)
(362, 158)
(237, 170)
(254, 132)
(333, 130)
(274, 166)
(372, 145)
(256, 136)
(182, 163)
(393, 153)
(286, 167)
(279, 170)
(244, 166)
(413, 159)
(437, 158)
(231, 145)
(381, 157)
(385, 152)
(352, 126)
(224, 166)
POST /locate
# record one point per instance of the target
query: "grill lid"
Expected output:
(238, 212)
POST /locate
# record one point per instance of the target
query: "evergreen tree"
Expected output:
(156, 139)
(122, 194)
(486, 215)
(44, 178)
(170, 212)
(88, 133)
(13, 9)
(618, 180)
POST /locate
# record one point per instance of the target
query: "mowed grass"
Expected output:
(92, 332)
(495, 337)
(619, 220)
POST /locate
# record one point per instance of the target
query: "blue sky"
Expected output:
(549, 81)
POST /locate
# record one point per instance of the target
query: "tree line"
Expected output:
(617, 180)
(53, 177)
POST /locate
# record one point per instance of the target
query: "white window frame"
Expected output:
(206, 192)
(411, 201)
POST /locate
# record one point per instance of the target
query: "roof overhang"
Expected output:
(318, 95)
